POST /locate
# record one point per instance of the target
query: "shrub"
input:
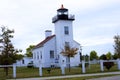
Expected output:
(108, 65)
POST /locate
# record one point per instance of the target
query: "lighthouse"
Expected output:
(49, 50)
(63, 22)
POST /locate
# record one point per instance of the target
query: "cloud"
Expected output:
(97, 40)
(97, 21)
(95, 28)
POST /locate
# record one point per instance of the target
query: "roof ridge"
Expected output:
(44, 41)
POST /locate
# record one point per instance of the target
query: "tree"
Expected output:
(108, 55)
(19, 56)
(93, 55)
(7, 50)
(117, 45)
(103, 57)
(69, 52)
(115, 56)
(29, 51)
(85, 57)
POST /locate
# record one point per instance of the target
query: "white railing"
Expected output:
(6, 66)
(54, 18)
(70, 16)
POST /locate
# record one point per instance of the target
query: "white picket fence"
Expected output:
(63, 66)
(116, 61)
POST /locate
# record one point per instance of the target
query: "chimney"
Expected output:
(48, 33)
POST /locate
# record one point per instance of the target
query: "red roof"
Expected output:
(44, 41)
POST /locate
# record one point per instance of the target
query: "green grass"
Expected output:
(94, 68)
(24, 72)
(3, 75)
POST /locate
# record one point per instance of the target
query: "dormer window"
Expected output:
(66, 30)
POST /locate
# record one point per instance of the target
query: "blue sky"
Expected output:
(97, 21)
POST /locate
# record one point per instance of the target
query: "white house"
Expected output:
(48, 51)
(24, 61)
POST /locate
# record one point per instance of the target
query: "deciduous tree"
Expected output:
(109, 56)
(103, 57)
(117, 45)
(69, 52)
(29, 51)
(93, 55)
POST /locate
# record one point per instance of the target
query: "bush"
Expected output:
(108, 65)
(30, 65)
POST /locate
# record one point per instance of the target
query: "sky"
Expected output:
(96, 21)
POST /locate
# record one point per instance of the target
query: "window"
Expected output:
(67, 44)
(34, 55)
(22, 61)
(66, 30)
(41, 54)
(51, 54)
(37, 55)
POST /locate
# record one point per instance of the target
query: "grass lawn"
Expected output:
(24, 72)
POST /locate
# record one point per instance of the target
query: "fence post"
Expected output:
(40, 69)
(63, 67)
(14, 70)
(101, 65)
(83, 66)
(118, 62)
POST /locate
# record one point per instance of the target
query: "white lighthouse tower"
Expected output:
(63, 31)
